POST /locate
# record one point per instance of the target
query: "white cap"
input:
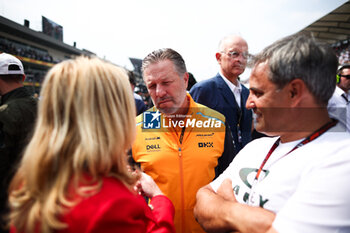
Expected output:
(10, 65)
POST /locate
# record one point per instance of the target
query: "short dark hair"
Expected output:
(131, 77)
(165, 54)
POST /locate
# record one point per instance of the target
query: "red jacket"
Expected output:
(116, 209)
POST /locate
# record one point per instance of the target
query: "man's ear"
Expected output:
(186, 77)
(296, 90)
(218, 57)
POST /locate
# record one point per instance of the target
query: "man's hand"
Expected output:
(220, 212)
(225, 191)
(146, 186)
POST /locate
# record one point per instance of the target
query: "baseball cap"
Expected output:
(343, 66)
(10, 65)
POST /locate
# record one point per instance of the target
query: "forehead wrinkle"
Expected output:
(159, 76)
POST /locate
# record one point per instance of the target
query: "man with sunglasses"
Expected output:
(224, 92)
(339, 104)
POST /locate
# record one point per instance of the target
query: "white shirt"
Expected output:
(339, 108)
(137, 96)
(236, 90)
(308, 189)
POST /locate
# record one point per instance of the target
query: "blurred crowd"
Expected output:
(22, 50)
(342, 50)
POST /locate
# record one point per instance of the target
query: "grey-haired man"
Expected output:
(297, 179)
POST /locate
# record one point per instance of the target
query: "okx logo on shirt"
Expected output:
(151, 120)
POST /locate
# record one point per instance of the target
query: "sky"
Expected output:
(116, 30)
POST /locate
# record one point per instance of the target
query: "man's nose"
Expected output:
(250, 102)
(241, 58)
(160, 91)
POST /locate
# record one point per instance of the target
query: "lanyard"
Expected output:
(252, 195)
(239, 119)
(308, 139)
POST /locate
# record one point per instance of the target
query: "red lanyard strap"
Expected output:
(308, 139)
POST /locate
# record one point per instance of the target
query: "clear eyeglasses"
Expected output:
(235, 54)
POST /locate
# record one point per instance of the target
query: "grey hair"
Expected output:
(226, 38)
(165, 54)
(300, 56)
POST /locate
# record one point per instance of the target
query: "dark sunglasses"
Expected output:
(345, 76)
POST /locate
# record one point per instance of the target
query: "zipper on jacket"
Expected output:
(183, 219)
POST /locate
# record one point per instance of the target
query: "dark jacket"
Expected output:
(214, 93)
(17, 116)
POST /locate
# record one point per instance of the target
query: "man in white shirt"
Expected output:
(297, 179)
(339, 104)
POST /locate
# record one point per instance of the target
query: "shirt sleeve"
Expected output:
(228, 173)
(321, 201)
(163, 212)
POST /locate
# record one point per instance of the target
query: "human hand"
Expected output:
(147, 186)
(225, 190)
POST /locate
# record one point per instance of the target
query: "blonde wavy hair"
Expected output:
(85, 125)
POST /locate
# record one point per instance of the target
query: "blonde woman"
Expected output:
(74, 176)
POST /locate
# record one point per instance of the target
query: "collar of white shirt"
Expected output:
(341, 92)
(236, 90)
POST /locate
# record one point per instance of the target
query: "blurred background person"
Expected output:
(339, 104)
(73, 176)
(139, 102)
(17, 117)
(191, 81)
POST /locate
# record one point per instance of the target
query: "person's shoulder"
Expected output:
(333, 148)
(137, 97)
(338, 135)
(112, 185)
(103, 204)
(207, 83)
(109, 186)
(16, 109)
(115, 182)
(139, 118)
(205, 111)
(336, 98)
(22, 101)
